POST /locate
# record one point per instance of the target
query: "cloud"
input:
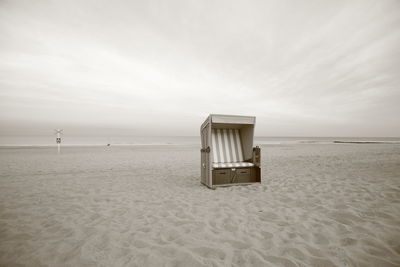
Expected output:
(322, 68)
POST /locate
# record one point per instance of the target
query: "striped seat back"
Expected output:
(226, 145)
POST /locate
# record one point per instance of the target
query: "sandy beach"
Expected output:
(317, 205)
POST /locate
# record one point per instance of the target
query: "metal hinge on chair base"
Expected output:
(207, 150)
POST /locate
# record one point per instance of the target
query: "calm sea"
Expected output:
(72, 140)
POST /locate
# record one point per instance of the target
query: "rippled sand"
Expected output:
(318, 205)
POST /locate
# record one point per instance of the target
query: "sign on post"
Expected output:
(58, 139)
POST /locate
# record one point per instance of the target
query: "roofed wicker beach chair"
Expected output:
(227, 154)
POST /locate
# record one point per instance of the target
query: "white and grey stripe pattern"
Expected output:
(232, 165)
(226, 145)
(227, 148)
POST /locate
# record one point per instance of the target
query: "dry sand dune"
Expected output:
(318, 205)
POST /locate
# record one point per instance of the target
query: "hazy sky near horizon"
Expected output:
(313, 68)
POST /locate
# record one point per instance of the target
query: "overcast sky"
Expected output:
(304, 68)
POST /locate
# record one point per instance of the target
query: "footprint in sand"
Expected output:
(244, 258)
(207, 252)
(294, 252)
(238, 244)
(267, 216)
(313, 251)
(394, 243)
(144, 229)
(267, 235)
(347, 241)
(320, 239)
(170, 235)
(375, 248)
(279, 261)
(140, 244)
(321, 262)
(164, 214)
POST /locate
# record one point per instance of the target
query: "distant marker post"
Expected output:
(58, 139)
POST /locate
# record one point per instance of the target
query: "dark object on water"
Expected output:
(227, 153)
(108, 145)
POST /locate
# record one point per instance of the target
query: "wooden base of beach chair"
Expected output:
(233, 176)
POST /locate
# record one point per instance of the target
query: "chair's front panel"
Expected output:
(228, 176)
(243, 175)
(222, 176)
